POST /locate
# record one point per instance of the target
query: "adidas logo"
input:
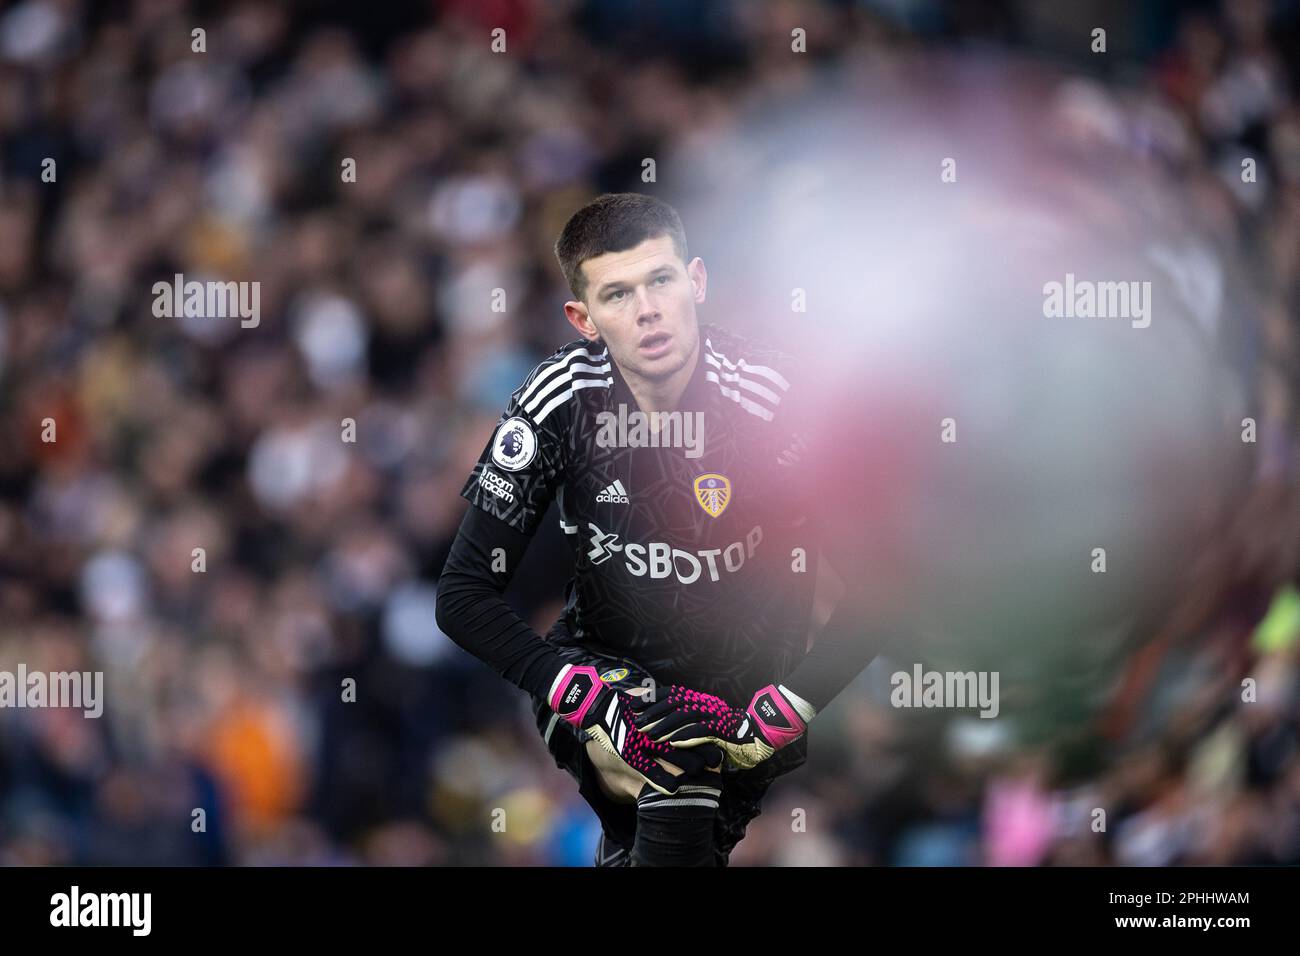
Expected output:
(614, 494)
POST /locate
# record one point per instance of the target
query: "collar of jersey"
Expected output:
(694, 399)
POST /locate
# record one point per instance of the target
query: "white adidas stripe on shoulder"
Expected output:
(748, 405)
(745, 383)
(563, 381)
(741, 375)
(560, 365)
(770, 374)
(568, 393)
(556, 383)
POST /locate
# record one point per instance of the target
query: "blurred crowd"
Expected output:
(288, 678)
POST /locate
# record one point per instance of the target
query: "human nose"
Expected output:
(646, 308)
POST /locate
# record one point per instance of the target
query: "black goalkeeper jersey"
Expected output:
(695, 559)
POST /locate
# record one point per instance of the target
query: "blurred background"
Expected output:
(224, 688)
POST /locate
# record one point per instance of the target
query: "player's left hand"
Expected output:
(683, 717)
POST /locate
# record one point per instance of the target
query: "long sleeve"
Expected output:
(856, 631)
(841, 651)
(473, 613)
(509, 490)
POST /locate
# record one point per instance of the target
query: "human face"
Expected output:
(641, 303)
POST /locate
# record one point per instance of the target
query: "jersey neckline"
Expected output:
(694, 398)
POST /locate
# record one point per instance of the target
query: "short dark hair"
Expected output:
(614, 222)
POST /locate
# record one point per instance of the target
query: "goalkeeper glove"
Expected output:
(684, 718)
(605, 715)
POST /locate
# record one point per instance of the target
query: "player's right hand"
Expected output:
(606, 716)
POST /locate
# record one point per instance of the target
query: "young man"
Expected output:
(677, 684)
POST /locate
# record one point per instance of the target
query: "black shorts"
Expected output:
(742, 790)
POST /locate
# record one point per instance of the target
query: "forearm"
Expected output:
(480, 621)
(472, 611)
(843, 648)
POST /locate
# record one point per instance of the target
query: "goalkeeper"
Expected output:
(677, 683)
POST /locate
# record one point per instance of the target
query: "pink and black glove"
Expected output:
(686, 718)
(605, 715)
